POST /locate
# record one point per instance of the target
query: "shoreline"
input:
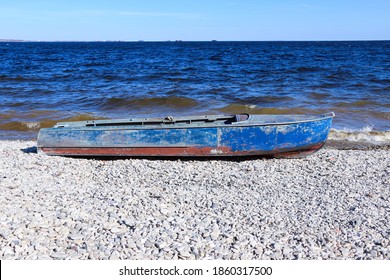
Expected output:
(330, 205)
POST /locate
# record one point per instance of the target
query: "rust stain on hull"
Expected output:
(179, 152)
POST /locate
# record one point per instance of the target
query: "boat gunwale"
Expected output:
(172, 125)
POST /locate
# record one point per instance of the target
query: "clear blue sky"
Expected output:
(132, 20)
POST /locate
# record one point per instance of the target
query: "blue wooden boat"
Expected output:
(205, 136)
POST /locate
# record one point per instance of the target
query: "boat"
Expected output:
(237, 135)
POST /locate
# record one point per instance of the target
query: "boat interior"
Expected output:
(215, 119)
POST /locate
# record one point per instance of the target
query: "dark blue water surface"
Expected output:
(42, 83)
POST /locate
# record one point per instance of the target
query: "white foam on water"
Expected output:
(364, 135)
(31, 125)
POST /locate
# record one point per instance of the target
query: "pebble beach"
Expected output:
(334, 204)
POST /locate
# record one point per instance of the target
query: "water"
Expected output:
(42, 83)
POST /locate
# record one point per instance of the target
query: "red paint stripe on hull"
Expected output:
(141, 151)
(178, 151)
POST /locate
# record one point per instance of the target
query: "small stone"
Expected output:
(76, 236)
(196, 252)
(115, 230)
(277, 246)
(131, 244)
(344, 252)
(185, 253)
(13, 185)
(148, 244)
(359, 251)
(8, 252)
(40, 248)
(374, 253)
(114, 256)
(128, 222)
(63, 231)
(161, 245)
(215, 233)
(18, 249)
(165, 211)
(43, 225)
(43, 257)
(59, 255)
(287, 252)
(18, 231)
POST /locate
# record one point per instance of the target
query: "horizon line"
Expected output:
(180, 41)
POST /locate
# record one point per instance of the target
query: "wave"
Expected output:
(308, 69)
(151, 102)
(319, 95)
(179, 78)
(362, 139)
(266, 99)
(94, 64)
(364, 135)
(380, 81)
(8, 123)
(32, 114)
(359, 103)
(254, 109)
(5, 78)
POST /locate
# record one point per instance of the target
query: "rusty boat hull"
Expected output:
(240, 135)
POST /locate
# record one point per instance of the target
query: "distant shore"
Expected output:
(331, 205)
(179, 41)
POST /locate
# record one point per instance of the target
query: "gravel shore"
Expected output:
(331, 205)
